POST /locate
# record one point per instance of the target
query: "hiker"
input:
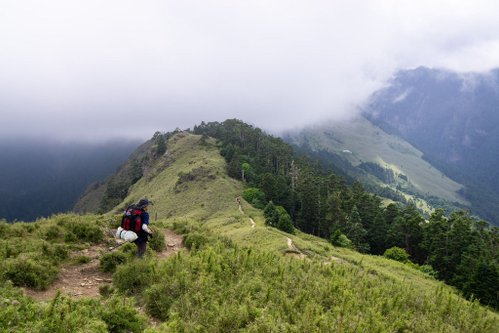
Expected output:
(145, 232)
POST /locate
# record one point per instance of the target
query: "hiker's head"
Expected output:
(144, 203)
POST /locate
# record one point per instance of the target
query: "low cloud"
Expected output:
(94, 70)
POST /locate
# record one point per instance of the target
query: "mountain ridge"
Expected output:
(454, 119)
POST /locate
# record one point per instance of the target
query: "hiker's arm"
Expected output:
(146, 228)
(145, 225)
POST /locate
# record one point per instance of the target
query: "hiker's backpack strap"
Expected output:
(137, 220)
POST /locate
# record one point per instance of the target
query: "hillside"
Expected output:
(239, 275)
(51, 176)
(454, 120)
(363, 151)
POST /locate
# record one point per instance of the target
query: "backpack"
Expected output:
(131, 220)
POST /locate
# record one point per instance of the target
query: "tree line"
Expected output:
(298, 192)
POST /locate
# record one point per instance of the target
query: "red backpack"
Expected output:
(131, 219)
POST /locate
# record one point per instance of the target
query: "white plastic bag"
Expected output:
(127, 235)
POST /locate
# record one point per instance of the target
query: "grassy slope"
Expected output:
(211, 203)
(334, 290)
(369, 143)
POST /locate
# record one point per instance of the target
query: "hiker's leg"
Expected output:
(141, 249)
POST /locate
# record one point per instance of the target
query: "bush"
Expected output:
(53, 232)
(195, 241)
(396, 253)
(339, 239)
(134, 276)
(80, 260)
(285, 224)
(55, 253)
(86, 232)
(106, 290)
(81, 228)
(109, 261)
(159, 299)
(427, 269)
(121, 316)
(129, 248)
(255, 196)
(29, 273)
(19, 313)
(70, 237)
(157, 242)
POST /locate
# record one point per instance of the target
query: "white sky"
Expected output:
(92, 69)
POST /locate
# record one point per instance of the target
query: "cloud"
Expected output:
(94, 70)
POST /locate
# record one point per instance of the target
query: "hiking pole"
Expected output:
(111, 248)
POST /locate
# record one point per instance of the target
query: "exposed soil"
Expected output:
(253, 224)
(293, 250)
(174, 243)
(84, 280)
(81, 280)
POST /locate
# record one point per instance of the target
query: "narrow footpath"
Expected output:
(84, 280)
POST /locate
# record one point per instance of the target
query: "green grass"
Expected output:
(369, 143)
(207, 206)
(221, 288)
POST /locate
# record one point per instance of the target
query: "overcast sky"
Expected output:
(93, 69)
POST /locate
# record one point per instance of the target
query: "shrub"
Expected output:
(396, 253)
(86, 232)
(120, 316)
(105, 290)
(53, 232)
(195, 241)
(129, 248)
(55, 253)
(157, 242)
(80, 260)
(70, 237)
(271, 214)
(427, 269)
(115, 221)
(109, 261)
(255, 196)
(29, 273)
(159, 299)
(285, 224)
(134, 276)
(339, 239)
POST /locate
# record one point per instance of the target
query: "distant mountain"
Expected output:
(453, 119)
(39, 178)
(386, 164)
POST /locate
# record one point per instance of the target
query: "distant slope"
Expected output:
(364, 151)
(453, 119)
(42, 178)
(104, 195)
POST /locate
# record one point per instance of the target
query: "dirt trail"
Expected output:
(253, 224)
(84, 280)
(80, 280)
(293, 250)
(174, 243)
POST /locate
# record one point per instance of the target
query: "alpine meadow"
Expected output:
(250, 235)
